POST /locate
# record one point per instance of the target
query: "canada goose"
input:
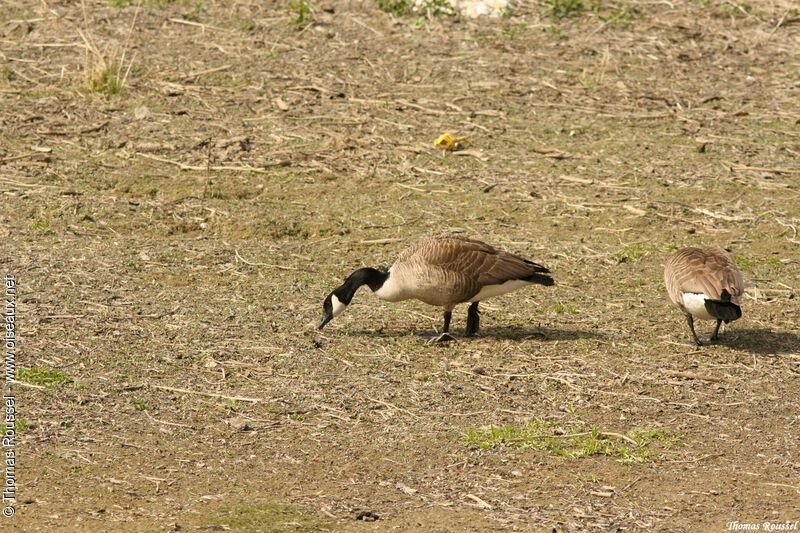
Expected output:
(706, 284)
(442, 271)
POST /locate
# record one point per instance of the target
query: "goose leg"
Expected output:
(716, 331)
(447, 316)
(473, 320)
(690, 320)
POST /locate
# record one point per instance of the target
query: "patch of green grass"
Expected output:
(197, 10)
(41, 376)
(140, 405)
(560, 308)
(248, 26)
(555, 31)
(739, 10)
(573, 440)
(20, 425)
(157, 3)
(429, 8)
(752, 262)
(213, 191)
(398, 8)
(302, 13)
(288, 228)
(648, 435)
(588, 82)
(516, 31)
(418, 23)
(585, 346)
(41, 226)
(631, 253)
(272, 517)
(236, 406)
(621, 14)
(437, 8)
(561, 9)
(745, 263)
(6, 74)
(106, 80)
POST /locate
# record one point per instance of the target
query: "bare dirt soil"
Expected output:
(183, 182)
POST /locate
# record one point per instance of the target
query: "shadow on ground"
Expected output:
(761, 341)
(503, 333)
(540, 333)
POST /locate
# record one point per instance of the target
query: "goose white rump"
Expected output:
(696, 305)
(490, 291)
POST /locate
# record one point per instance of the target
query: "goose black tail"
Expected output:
(541, 279)
(724, 308)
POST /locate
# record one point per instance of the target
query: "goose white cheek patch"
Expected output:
(338, 306)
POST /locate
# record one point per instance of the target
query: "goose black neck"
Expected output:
(371, 277)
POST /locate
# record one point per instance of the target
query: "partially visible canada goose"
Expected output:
(442, 271)
(706, 284)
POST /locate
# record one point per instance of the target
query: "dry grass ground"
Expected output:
(183, 182)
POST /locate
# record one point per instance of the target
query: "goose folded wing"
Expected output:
(708, 275)
(502, 267)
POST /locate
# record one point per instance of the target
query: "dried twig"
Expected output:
(218, 168)
(167, 423)
(601, 433)
(28, 385)
(203, 72)
(380, 241)
(393, 406)
(17, 157)
(197, 24)
(208, 394)
(691, 375)
(480, 503)
(775, 170)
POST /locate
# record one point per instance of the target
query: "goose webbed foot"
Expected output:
(473, 320)
(444, 337)
(435, 336)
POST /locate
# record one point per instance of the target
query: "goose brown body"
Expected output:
(449, 270)
(704, 283)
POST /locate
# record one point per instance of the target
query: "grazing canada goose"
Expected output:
(706, 284)
(442, 271)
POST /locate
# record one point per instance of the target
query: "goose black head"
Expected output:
(331, 308)
(338, 300)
